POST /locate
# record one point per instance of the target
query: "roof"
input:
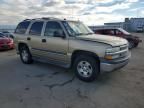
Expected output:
(45, 18)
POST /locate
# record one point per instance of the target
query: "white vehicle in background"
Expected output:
(140, 29)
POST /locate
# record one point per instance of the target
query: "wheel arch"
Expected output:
(22, 44)
(83, 52)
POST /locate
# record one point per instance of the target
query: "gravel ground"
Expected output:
(41, 85)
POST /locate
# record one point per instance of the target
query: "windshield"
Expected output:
(75, 28)
(123, 31)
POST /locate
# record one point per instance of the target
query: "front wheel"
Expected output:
(25, 55)
(86, 68)
(136, 44)
(131, 44)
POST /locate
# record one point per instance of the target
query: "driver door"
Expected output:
(55, 42)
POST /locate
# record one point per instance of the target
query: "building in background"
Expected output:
(116, 24)
(136, 24)
(130, 24)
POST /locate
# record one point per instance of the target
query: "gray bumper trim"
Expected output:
(106, 67)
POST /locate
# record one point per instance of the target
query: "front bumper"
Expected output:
(6, 46)
(109, 66)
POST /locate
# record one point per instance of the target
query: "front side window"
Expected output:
(123, 31)
(22, 27)
(108, 32)
(53, 29)
(36, 28)
(112, 32)
(118, 32)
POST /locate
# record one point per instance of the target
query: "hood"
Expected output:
(4, 40)
(111, 40)
(131, 36)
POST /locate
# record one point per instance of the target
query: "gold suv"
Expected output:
(70, 44)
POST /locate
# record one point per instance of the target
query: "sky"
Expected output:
(91, 12)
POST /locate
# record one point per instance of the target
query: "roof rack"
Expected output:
(48, 18)
(45, 18)
(26, 19)
(36, 19)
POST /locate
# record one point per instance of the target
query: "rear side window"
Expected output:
(36, 28)
(22, 27)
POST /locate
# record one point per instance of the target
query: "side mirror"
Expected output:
(58, 34)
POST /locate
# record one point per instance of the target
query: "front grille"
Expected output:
(123, 47)
(123, 51)
(5, 46)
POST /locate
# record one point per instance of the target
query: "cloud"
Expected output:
(99, 19)
(89, 11)
(110, 9)
(54, 2)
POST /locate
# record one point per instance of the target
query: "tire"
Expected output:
(86, 68)
(131, 44)
(136, 44)
(25, 55)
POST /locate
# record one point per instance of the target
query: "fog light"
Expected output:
(109, 57)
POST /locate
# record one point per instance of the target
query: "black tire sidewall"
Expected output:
(29, 61)
(94, 65)
(132, 43)
(136, 44)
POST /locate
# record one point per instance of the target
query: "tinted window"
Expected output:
(36, 28)
(2, 35)
(118, 32)
(22, 27)
(110, 32)
(53, 29)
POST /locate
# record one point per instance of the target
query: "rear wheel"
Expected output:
(25, 55)
(86, 68)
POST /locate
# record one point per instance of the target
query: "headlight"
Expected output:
(110, 53)
(112, 50)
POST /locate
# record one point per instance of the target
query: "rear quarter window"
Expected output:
(22, 27)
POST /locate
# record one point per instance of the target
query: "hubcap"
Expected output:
(24, 55)
(131, 44)
(84, 68)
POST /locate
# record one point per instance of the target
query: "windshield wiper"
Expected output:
(79, 34)
(84, 34)
(89, 33)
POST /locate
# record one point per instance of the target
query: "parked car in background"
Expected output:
(119, 32)
(140, 29)
(5, 42)
(8, 34)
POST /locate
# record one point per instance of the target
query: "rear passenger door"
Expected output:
(34, 37)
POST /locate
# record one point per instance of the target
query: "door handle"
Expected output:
(28, 38)
(43, 40)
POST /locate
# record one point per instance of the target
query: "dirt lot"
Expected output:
(41, 85)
